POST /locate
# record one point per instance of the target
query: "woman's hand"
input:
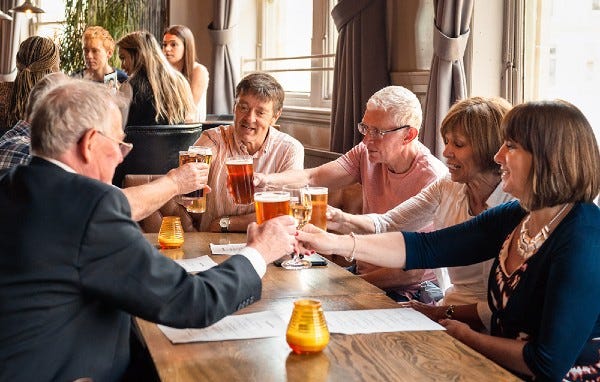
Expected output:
(435, 313)
(336, 220)
(456, 329)
(311, 239)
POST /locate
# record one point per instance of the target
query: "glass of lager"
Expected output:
(195, 201)
(240, 173)
(270, 204)
(318, 197)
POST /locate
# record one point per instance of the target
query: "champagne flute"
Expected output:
(300, 209)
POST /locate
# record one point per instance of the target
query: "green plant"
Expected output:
(116, 16)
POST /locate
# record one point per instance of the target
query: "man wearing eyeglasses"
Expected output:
(74, 266)
(392, 166)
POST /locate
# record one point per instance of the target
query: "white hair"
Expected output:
(401, 104)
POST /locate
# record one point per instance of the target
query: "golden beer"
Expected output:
(318, 196)
(195, 201)
(270, 204)
(240, 171)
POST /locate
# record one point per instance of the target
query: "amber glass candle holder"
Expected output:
(307, 331)
(170, 234)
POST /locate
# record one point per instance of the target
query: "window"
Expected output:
(51, 23)
(560, 54)
(296, 44)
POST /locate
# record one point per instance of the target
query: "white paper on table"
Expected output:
(226, 249)
(378, 321)
(197, 264)
(237, 327)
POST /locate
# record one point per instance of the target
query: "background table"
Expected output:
(398, 356)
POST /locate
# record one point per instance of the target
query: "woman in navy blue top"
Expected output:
(544, 287)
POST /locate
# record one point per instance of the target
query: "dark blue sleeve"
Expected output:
(467, 243)
(570, 317)
(121, 76)
(121, 268)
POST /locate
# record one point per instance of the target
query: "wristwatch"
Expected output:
(450, 312)
(224, 224)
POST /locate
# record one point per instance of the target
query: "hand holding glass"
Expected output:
(301, 210)
(195, 201)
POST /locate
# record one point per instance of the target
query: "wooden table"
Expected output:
(398, 356)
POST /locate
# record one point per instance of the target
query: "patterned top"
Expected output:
(279, 152)
(14, 145)
(551, 301)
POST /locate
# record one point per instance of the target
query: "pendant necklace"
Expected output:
(527, 246)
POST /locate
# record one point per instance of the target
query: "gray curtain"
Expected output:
(155, 17)
(9, 40)
(360, 66)
(225, 75)
(447, 80)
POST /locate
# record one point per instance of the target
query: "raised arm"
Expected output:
(412, 215)
(385, 250)
(149, 197)
(330, 175)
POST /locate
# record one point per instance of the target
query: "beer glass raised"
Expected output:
(195, 201)
(270, 204)
(318, 197)
(240, 172)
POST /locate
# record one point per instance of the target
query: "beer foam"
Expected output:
(271, 197)
(317, 190)
(239, 161)
(202, 150)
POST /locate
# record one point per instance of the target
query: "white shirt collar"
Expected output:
(58, 163)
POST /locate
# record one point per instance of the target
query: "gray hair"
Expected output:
(402, 105)
(45, 84)
(264, 87)
(64, 113)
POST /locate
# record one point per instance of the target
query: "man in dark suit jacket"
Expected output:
(73, 264)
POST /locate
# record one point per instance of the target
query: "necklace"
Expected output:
(527, 246)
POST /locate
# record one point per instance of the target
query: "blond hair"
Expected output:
(172, 94)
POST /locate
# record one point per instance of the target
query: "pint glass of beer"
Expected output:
(318, 197)
(270, 204)
(240, 172)
(195, 201)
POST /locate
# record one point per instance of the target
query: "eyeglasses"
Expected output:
(123, 146)
(365, 129)
(245, 109)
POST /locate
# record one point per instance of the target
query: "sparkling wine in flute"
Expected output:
(270, 204)
(301, 211)
(241, 173)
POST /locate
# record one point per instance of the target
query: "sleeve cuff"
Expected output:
(255, 259)
(376, 222)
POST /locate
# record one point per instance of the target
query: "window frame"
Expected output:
(322, 56)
